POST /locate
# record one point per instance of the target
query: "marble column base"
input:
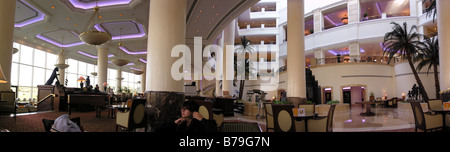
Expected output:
(163, 107)
(296, 101)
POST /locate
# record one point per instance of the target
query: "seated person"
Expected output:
(192, 121)
(64, 124)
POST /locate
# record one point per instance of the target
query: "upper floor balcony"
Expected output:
(259, 29)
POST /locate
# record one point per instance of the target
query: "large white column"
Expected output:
(119, 79)
(354, 51)
(443, 21)
(354, 11)
(296, 81)
(143, 79)
(7, 9)
(102, 65)
(320, 57)
(228, 58)
(167, 29)
(318, 20)
(219, 66)
(413, 7)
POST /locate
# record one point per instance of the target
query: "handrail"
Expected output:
(50, 95)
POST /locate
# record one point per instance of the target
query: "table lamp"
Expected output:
(81, 79)
(2, 76)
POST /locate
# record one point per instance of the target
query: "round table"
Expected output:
(306, 117)
(368, 105)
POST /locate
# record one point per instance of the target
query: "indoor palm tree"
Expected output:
(429, 55)
(430, 10)
(404, 42)
(243, 48)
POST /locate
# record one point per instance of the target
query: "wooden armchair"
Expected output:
(309, 108)
(283, 118)
(320, 124)
(133, 118)
(425, 121)
(269, 116)
(435, 104)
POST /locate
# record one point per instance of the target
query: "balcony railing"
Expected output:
(346, 59)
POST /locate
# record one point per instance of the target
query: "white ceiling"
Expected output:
(205, 18)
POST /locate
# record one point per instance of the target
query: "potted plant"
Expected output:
(365, 16)
(333, 102)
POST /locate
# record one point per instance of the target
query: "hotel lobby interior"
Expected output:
(139, 65)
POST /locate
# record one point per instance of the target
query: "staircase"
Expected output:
(313, 90)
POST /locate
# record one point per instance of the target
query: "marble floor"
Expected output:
(385, 119)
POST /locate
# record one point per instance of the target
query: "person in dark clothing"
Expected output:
(192, 121)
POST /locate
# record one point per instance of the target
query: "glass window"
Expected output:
(125, 77)
(39, 77)
(73, 68)
(91, 68)
(26, 55)
(25, 73)
(25, 92)
(82, 69)
(112, 74)
(51, 61)
(48, 73)
(16, 56)
(39, 58)
(14, 74)
(71, 80)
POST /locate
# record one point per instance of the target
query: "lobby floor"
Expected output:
(386, 119)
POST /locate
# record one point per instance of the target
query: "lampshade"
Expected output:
(2, 76)
(92, 36)
(120, 62)
(94, 73)
(345, 19)
(81, 79)
(138, 72)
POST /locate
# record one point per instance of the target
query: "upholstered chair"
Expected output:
(435, 104)
(283, 118)
(269, 116)
(134, 118)
(322, 124)
(309, 108)
(425, 121)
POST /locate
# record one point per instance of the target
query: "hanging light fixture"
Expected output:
(120, 62)
(138, 70)
(345, 19)
(92, 36)
(94, 73)
(60, 62)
